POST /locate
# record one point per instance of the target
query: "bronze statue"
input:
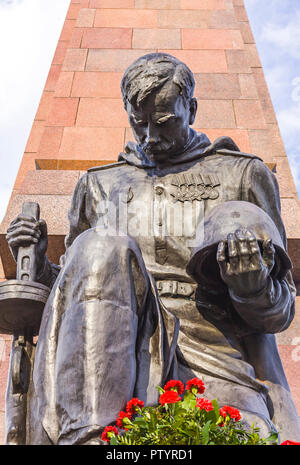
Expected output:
(130, 306)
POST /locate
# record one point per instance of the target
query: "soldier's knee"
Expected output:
(95, 245)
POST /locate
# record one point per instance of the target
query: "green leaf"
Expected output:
(153, 421)
(160, 390)
(114, 441)
(205, 432)
(189, 402)
(273, 438)
(141, 422)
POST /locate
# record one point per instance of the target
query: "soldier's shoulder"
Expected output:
(108, 166)
(235, 153)
(259, 164)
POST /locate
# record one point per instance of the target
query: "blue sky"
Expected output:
(276, 28)
(29, 31)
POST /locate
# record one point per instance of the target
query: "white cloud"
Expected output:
(286, 37)
(5, 192)
(276, 28)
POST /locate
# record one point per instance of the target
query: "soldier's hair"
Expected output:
(151, 72)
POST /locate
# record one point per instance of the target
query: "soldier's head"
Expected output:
(157, 91)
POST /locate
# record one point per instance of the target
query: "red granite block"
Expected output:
(290, 210)
(240, 13)
(73, 11)
(128, 136)
(112, 60)
(50, 141)
(64, 84)
(126, 18)
(248, 86)
(183, 18)
(49, 182)
(35, 136)
(85, 17)
(264, 96)
(97, 84)
(202, 61)
(222, 19)
(249, 114)
(76, 37)
(211, 39)
(101, 112)
(2, 275)
(267, 143)
(203, 4)
(3, 382)
(290, 356)
(60, 53)
(215, 114)
(67, 29)
(238, 61)
(91, 143)
(63, 111)
(44, 106)
(217, 86)
(286, 182)
(54, 209)
(111, 3)
(5, 343)
(107, 37)
(156, 38)
(158, 4)
(246, 33)
(240, 136)
(75, 59)
(27, 163)
(291, 336)
(2, 426)
(52, 78)
(253, 56)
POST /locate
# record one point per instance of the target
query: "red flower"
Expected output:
(120, 419)
(195, 382)
(231, 411)
(204, 404)
(174, 384)
(289, 443)
(169, 397)
(132, 404)
(107, 433)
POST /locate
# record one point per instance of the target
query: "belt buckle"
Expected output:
(185, 289)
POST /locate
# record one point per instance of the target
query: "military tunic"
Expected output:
(160, 209)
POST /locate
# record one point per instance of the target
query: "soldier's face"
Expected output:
(161, 123)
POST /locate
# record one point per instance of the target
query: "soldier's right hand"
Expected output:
(24, 231)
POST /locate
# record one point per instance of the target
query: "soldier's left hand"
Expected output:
(243, 267)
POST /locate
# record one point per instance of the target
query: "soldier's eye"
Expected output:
(165, 119)
(138, 121)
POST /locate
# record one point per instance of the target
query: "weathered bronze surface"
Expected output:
(124, 315)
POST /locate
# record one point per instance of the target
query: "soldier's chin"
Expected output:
(159, 154)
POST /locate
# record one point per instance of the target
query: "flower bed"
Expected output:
(183, 417)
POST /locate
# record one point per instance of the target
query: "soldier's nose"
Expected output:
(152, 136)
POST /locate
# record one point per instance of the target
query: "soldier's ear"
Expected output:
(193, 110)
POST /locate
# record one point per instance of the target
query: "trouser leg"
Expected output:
(96, 306)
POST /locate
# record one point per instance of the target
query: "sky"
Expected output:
(29, 32)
